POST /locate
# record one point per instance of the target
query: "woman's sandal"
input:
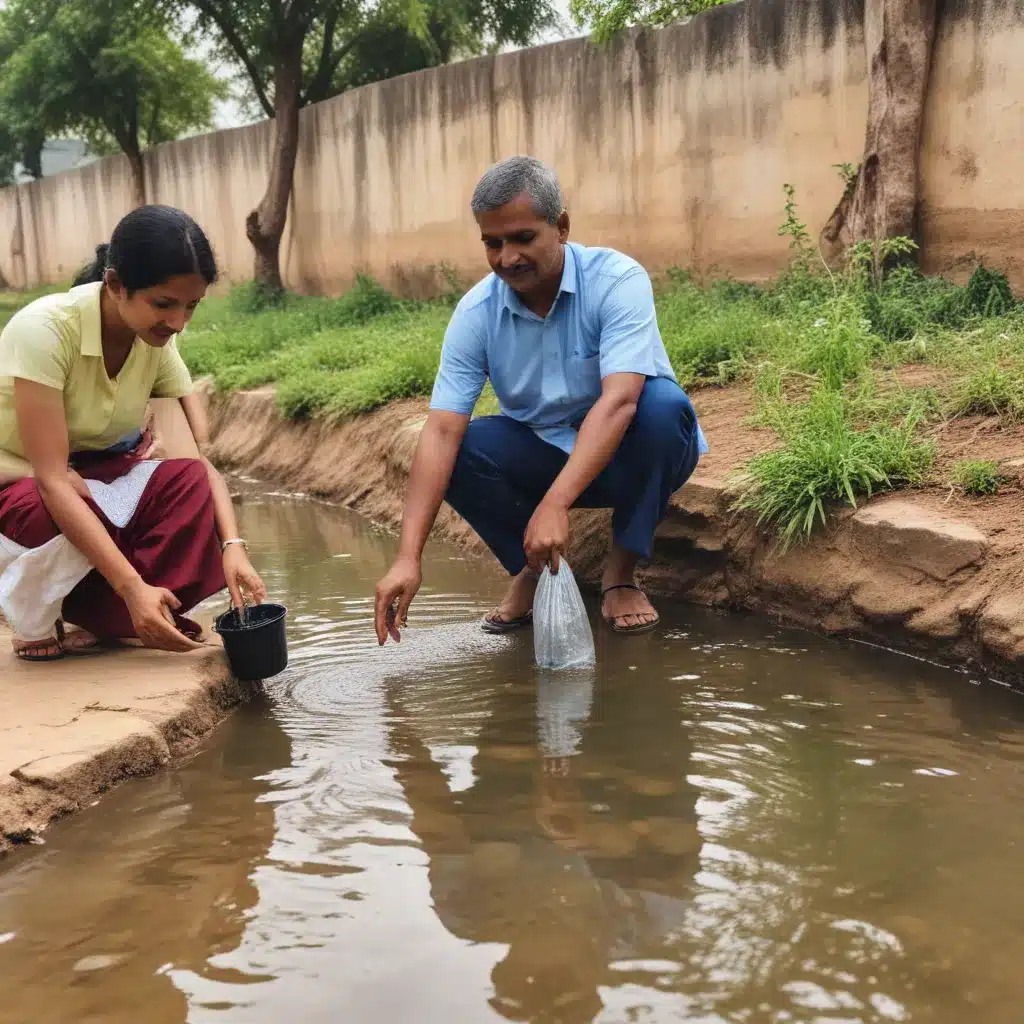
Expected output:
(75, 643)
(640, 627)
(47, 649)
(498, 626)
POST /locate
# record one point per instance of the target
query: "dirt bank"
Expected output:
(919, 571)
(69, 730)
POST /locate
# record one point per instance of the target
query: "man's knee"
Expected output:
(487, 442)
(664, 414)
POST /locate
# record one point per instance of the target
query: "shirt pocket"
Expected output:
(583, 374)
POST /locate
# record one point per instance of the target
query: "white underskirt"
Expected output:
(35, 581)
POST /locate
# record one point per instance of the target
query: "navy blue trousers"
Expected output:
(504, 470)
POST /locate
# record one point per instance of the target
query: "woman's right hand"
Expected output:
(151, 609)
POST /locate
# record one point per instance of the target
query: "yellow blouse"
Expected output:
(56, 341)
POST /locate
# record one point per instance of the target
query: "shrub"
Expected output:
(989, 294)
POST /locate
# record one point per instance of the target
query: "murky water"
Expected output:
(726, 822)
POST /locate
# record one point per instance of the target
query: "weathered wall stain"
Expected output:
(672, 145)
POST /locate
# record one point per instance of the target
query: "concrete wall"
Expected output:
(672, 145)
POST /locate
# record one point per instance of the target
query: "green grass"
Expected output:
(827, 457)
(329, 357)
(991, 390)
(822, 351)
(976, 478)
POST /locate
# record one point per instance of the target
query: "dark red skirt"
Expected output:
(171, 539)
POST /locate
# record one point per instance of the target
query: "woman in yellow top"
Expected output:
(120, 545)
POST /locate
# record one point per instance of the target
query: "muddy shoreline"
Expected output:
(905, 570)
(73, 729)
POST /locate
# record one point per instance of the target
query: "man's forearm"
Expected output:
(599, 439)
(431, 472)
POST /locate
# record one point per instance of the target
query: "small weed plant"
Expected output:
(976, 478)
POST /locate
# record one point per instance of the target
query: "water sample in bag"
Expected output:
(562, 637)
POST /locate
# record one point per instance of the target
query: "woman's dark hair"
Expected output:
(151, 245)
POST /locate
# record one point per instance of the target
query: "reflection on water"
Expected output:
(723, 822)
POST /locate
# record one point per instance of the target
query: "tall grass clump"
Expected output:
(824, 458)
(839, 346)
(991, 390)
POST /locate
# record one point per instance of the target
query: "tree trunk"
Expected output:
(265, 225)
(138, 166)
(884, 199)
(32, 154)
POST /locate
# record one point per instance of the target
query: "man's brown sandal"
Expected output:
(499, 626)
(640, 627)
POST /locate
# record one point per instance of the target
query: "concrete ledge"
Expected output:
(72, 729)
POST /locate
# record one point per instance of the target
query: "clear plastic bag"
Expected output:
(562, 637)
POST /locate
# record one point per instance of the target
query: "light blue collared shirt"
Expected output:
(547, 371)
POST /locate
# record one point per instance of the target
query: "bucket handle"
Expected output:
(243, 612)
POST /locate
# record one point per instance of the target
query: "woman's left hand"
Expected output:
(242, 577)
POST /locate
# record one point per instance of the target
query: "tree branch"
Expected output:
(323, 64)
(320, 86)
(232, 38)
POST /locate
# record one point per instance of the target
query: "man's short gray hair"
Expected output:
(511, 178)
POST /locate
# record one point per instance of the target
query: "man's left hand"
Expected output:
(547, 536)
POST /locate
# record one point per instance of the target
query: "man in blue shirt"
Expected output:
(591, 413)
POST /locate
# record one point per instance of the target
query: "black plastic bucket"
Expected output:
(257, 648)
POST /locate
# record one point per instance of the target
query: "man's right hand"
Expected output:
(151, 609)
(401, 584)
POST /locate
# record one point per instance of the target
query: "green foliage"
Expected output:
(839, 345)
(849, 173)
(794, 229)
(108, 71)
(907, 303)
(872, 259)
(607, 18)
(976, 478)
(825, 458)
(709, 334)
(342, 44)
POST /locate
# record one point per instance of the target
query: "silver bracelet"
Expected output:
(234, 540)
